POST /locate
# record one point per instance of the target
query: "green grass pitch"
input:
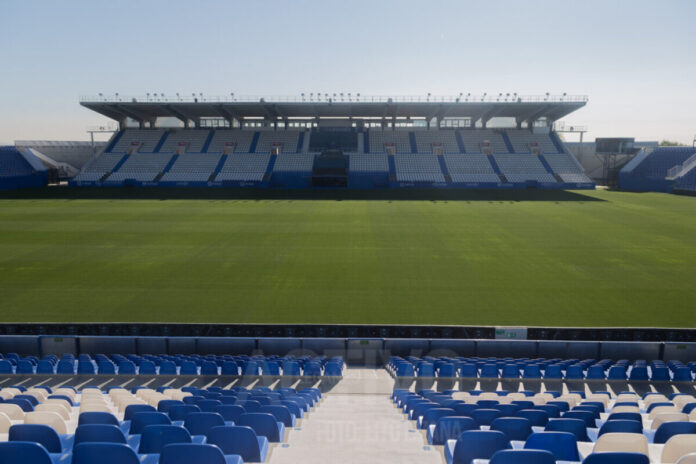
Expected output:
(597, 258)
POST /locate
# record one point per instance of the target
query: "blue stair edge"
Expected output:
(254, 142)
(412, 140)
(546, 164)
(221, 163)
(392, 165)
(271, 163)
(494, 165)
(556, 142)
(443, 165)
(208, 139)
(120, 163)
(460, 142)
(170, 163)
(158, 147)
(114, 141)
(300, 142)
(508, 144)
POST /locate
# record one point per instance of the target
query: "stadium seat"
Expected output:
(263, 424)
(239, 440)
(562, 445)
(475, 444)
(187, 453)
(155, 437)
(97, 417)
(623, 442)
(620, 426)
(537, 417)
(575, 426)
(167, 368)
(515, 428)
(198, 423)
(142, 419)
(166, 405)
(667, 430)
(178, 412)
(147, 368)
(677, 447)
(616, 458)
(104, 453)
(450, 427)
(523, 456)
(98, 433)
(24, 452)
(38, 433)
(281, 413)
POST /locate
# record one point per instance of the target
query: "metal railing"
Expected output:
(684, 167)
(334, 98)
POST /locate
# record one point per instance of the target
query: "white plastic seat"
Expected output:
(678, 447)
(650, 399)
(59, 401)
(623, 442)
(668, 417)
(5, 423)
(662, 410)
(616, 409)
(688, 459)
(13, 411)
(54, 407)
(682, 400)
(47, 418)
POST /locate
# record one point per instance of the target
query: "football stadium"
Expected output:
(341, 277)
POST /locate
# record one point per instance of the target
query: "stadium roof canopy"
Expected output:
(484, 108)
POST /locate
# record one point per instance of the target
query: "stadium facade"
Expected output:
(338, 141)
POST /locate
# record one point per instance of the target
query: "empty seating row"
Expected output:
(244, 167)
(172, 365)
(143, 167)
(196, 167)
(524, 141)
(138, 140)
(470, 168)
(523, 168)
(418, 168)
(553, 369)
(281, 141)
(185, 141)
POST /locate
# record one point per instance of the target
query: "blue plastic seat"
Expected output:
(281, 413)
(98, 433)
(293, 368)
(65, 367)
(587, 416)
(147, 368)
(208, 405)
(489, 371)
(231, 412)
(522, 456)
(450, 427)
(239, 440)
(133, 409)
(469, 371)
(126, 368)
(312, 369)
(617, 373)
(250, 406)
(485, 416)
(45, 367)
(562, 445)
(639, 373)
(21, 452)
(24, 366)
(39, 433)
(667, 430)
(106, 368)
(553, 372)
(229, 368)
(198, 423)
(85, 368)
(634, 416)
(575, 426)
(616, 458)
(532, 371)
(553, 411)
(682, 374)
(104, 453)
(476, 444)
(620, 426)
(179, 412)
(595, 372)
(188, 368)
(6, 367)
(574, 372)
(263, 424)
(514, 428)
(141, 419)
(431, 416)
(487, 404)
(188, 453)
(537, 417)
(97, 417)
(22, 403)
(155, 437)
(209, 368)
(30, 398)
(165, 405)
(660, 374)
(658, 403)
(167, 368)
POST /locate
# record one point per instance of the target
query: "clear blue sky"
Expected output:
(634, 58)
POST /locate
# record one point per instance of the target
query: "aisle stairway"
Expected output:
(355, 429)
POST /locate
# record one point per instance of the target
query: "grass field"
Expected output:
(597, 258)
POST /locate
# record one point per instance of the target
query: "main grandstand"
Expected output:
(374, 142)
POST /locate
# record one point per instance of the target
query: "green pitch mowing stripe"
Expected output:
(564, 259)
